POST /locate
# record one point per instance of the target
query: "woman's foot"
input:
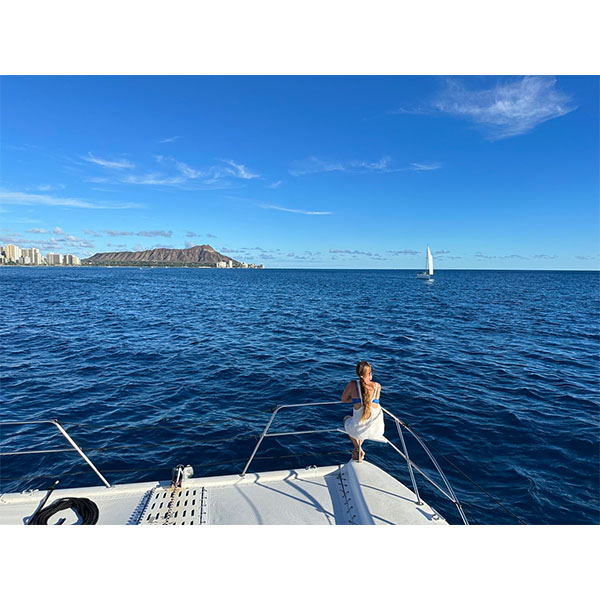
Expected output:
(361, 455)
(355, 454)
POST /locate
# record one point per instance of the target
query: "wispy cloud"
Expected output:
(312, 164)
(274, 185)
(169, 139)
(49, 187)
(111, 164)
(91, 232)
(37, 230)
(545, 256)
(185, 176)
(417, 110)
(191, 234)
(355, 253)
(385, 164)
(157, 179)
(398, 252)
(114, 233)
(23, 198)
(53, 243)
(239, 170)
(508, 109)
(155, 233)
(481, 256)
(424, 166)
(296, 210)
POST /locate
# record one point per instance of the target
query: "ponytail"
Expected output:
(363, 368)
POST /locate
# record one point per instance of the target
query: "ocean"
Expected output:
(498, 371)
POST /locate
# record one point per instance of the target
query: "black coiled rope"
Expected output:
(85, 508)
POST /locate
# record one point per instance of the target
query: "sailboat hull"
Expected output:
(428, 274)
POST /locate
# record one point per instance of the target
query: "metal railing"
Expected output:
(65, 435)
(400, 425)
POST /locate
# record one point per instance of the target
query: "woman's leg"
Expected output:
(361, 452)
(355, 452)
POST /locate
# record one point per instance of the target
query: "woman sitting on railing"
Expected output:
(366, 421)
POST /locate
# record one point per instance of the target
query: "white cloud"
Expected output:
(355, 252)
(153, 179)
(384, 165)
(213, 177)
(169, 140)
(275, 184)
(190, 172)
(238, 170)
(295, 210)
(91, 232)
(424, 166)
(48, 188)
(161, 233)
(57, 231)
(419, 110)
(111, 164)
(23, 198)
(398, 252)
(312, 164)
(508, 109)
(37, 230)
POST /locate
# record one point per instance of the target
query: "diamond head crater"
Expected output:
(197, 256)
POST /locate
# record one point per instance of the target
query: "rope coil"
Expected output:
(85, 508)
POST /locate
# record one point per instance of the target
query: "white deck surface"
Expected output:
(354, 493)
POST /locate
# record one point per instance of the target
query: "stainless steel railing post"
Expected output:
(410, 470)
(68, 438)
(264, 433)
(80, 452)
(443, 476)
(262, 437)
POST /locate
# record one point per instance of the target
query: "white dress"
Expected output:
(372, 428)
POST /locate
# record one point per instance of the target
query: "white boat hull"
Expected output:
(354, 493)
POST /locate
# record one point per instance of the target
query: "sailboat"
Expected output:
(428, 273)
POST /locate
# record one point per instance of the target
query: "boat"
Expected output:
(354, 493)
(428, 273)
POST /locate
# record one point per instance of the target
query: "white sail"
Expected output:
(429, 261)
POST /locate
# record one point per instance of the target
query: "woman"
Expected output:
(366, 421)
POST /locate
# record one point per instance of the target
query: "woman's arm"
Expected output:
(347, 394)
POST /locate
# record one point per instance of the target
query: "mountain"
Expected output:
(204, 255)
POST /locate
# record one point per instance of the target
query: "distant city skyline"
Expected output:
(493, 172)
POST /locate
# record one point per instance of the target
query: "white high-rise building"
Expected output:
(12, 253)
(71, 259)
(31, 256)
(54, 259)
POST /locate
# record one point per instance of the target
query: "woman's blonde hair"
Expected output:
(363, 368)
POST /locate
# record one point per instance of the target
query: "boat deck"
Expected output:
(353, 493)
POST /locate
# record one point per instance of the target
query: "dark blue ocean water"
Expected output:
(147, 368)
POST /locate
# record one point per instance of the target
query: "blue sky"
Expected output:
(307, 171)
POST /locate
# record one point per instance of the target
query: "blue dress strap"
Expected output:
(375, 400)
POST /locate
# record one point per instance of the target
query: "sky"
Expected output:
(492, 172)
